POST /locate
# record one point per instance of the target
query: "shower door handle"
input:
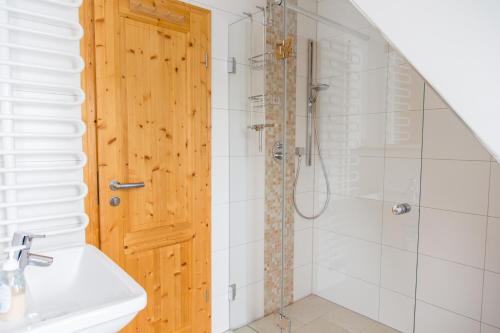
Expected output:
(116, 185)
(401, 209)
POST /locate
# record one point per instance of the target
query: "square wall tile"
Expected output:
(239, 87)
(357, 258)
(247, 178)
(356, 217)
(220, 25)
(451, 286)
(432, 99)
(404, 134)
(246, 221)
(219, 84)
(399, 270)
(220, 227)
(405, 89)
(220, 272)
(396, 310)
(246, 263)
(355, 176)
(220, 180)
(431, 319)
(453, 236)
(363, 135)
(447, 137)
(220, 314)
(302, 249)
(248, 305)
(343, 12)
(491, 301)
(367, 88)
(302, 281)
(494, 207)
(239, 134)
(220, 132)
(493, 245)
(489, 329)
(351, 293)
(402, 180)
(455, 185)
(400, 231)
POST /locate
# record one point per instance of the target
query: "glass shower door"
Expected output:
(359, 114)
(255, 167)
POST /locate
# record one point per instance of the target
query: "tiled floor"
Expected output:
(314, 314)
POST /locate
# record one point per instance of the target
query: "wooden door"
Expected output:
(153, 126)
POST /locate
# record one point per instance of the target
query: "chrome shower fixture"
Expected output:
(313, 90)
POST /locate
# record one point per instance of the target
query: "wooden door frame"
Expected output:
(89, 116)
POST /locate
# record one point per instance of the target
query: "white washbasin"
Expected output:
(82, 291)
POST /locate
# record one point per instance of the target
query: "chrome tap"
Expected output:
(24, 256)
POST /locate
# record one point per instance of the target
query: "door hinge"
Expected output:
(231, 65)
(206, 60)
(284, 49)
(207, 296)
(232, 292)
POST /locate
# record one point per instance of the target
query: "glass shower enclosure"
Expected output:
(325, 138)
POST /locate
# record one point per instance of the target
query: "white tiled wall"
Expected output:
(225, 12)
(458, 282)
(370, 124)
(246, 175)
(458, 286)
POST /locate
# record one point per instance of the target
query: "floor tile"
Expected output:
(379, 328)
(269, 324)
(320, 325)
(349, 320)
(309, 309)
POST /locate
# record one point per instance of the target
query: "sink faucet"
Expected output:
(24, 256)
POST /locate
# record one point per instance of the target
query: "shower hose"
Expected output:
(325, 176)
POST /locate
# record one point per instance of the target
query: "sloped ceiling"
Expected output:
(455, 45)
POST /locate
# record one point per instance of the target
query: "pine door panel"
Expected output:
(153, 121)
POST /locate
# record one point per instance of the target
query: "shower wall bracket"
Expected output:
(284, 49)
(260, 128)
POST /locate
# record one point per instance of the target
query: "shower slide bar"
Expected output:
(61, 229)
(50, 20)
(326, 21)
(83, 190)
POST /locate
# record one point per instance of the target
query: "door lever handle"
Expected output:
(115, 185)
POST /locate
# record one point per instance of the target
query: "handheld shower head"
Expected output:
(315, 89)
(320, 87)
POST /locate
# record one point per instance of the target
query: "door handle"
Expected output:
(401, 209)
(115, 185)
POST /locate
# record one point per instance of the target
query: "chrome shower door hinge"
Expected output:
(232, 292)
(284, 49)
(231, 65)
